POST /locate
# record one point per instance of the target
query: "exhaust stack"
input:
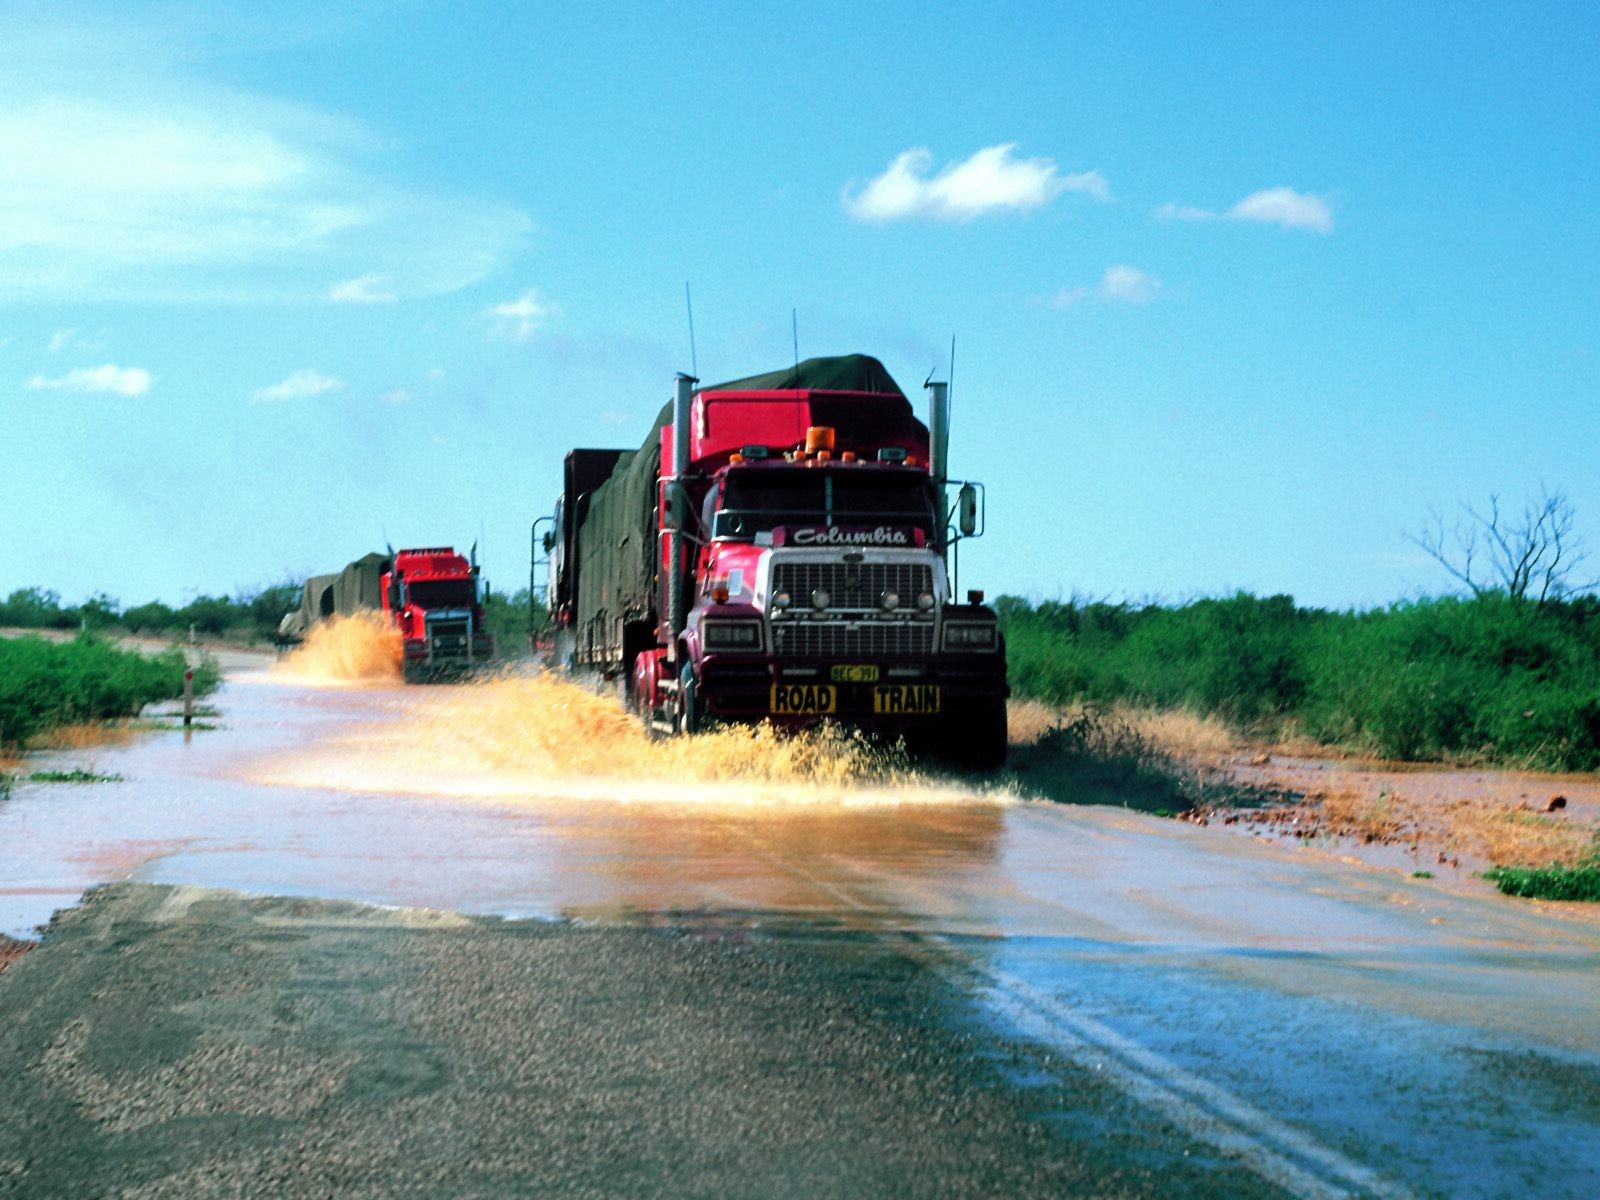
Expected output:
(677, 512)
(939, 432)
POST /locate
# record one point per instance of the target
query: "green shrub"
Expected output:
(1486, 679)
(45, 684)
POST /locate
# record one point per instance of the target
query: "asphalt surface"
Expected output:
(182, 1042)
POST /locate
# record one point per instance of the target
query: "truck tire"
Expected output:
(978, 740)
(689, 713)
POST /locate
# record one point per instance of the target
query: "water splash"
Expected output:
(363, 648)
(544, 737)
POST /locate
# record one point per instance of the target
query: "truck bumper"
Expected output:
(892, 698)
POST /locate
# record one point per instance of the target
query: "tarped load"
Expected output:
(617, 568)
(844, 373)
(359, 586)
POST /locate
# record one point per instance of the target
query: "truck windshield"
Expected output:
(441, 593)
(757, 501)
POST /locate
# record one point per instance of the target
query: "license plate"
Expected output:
(904, 700)
(855, 674)
(803, 699)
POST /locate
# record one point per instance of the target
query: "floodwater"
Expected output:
(1342, 1030)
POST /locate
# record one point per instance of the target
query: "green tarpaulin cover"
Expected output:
(359, 586)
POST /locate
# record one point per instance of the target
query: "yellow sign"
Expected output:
(804, 699)
(911, 699)
(855, 674)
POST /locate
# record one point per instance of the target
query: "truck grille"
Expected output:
(852, 585)
(448, 639)
(847, 639)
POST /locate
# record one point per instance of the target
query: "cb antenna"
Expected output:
(950, 387)
(688, 303)
(794, 332)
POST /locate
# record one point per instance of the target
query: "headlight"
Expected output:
(925, 602)
(782, 601)
(889, 601)
(730, 635)
(969, 636)
(820, 599)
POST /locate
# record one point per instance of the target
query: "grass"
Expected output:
(1488, 680)
(76, 775)
(51, 686)
(1091, 755)
(1548, 883)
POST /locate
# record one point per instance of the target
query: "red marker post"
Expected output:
(188, 696)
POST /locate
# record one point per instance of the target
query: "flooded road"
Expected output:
(1330, 1029)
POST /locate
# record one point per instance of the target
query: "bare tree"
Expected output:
(1533, 557)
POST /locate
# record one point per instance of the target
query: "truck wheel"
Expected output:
(979, 740)
(689, 713)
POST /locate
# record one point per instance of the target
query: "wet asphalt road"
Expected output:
(185, 1043)
(921, 995)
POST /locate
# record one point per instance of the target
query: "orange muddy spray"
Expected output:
(360, 649)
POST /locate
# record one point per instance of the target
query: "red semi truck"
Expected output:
(429, 594)
(780, 549)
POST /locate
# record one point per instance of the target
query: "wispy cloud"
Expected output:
(1279, 206)
(119, 381)
(123, 190)
(363, 289)
(1123, 284)
(991, 180)
(61, 339)
(306, 382)
(1120, 284)
(518, 319)
(397, 397)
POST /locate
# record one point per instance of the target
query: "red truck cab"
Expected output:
(431, 595)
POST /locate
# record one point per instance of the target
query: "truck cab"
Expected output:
(431, 595)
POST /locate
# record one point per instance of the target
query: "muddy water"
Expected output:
(1350, 1001)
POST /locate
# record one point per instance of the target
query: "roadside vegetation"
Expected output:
(1489, 680)
(251, 615)
(46, 685)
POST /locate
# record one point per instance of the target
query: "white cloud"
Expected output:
(1119, 284)
(120, 381)
(1089, 183)
(991, 180)
(123, 189)
(435, 374)
(61, 339)
(398, 396)
(1127, 285)
(519, 318)
(1286, 207)
(301, 383)
(1280, 206)
(363, 289)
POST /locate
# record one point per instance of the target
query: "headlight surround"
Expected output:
(971, 635)
(721, 634)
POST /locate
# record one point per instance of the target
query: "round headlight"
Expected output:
(925, 602)
(820, 598)
(782, 601)
(889, 601)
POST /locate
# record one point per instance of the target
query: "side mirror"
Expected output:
(967, 510)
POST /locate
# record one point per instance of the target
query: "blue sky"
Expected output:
(1239, 292)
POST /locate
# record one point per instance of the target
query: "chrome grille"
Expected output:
(850, 639)
(852, 585)
(448, 638)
